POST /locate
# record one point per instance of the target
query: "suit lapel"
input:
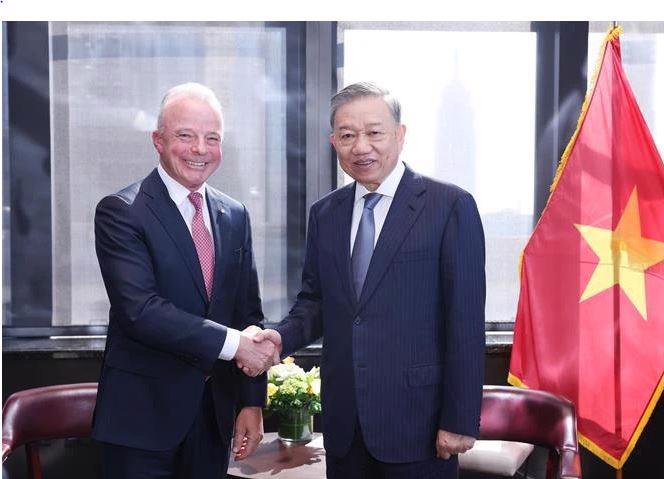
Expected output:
(169, 216)
(220, 219)
(405, 208)
(342, 222)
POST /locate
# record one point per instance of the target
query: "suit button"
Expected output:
(357, 320)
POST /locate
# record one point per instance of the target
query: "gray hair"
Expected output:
(360, 90)
(189, 90)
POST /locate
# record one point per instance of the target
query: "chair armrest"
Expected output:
(6, 450)
(570, 464)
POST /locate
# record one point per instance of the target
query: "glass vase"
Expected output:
(295, 425)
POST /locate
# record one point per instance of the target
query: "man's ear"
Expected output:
(333, 140)
(158, 141)
(401, 135)
(401, 132)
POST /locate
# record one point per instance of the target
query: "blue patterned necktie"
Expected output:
(364, 242)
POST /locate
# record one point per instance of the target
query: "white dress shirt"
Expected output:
(180, 196)
(387, 189)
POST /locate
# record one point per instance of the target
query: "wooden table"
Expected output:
(274, 459)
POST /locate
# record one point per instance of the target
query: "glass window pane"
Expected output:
(107, 83)
(642, 48)
(468, 102)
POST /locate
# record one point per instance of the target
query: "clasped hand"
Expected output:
(449, 444)
(258, 350)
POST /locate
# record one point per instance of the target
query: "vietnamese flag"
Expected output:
(590, 320)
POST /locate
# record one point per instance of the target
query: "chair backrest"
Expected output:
(535, 417)
(51, 412)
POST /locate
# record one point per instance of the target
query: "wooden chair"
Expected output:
(533, 417)
(51, 412)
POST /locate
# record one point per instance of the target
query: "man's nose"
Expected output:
(361, 144)
(199, 146)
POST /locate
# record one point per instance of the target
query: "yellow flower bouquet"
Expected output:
(294, 395)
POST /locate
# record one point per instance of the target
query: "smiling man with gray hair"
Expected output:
(177, 262)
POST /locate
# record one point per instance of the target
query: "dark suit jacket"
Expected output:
(164, 336)
(408, 357)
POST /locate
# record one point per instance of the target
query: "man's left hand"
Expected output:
(449, 444)
(248, 432)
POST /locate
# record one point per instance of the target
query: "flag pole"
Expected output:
(616, 323)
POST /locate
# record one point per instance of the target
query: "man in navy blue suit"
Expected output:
(394, 282)
(177, 262)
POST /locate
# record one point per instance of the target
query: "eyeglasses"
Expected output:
(349, 137)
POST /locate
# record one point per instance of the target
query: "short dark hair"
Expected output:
(360, 90)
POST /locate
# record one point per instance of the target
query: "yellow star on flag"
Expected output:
(624, 256)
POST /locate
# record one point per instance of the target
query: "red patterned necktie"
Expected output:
(202, 241)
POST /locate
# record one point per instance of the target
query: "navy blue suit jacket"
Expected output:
(164, 336)
(407, 358)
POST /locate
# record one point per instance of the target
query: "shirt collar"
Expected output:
(176, 191)
(389, 185)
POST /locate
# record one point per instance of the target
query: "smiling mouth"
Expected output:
(364, 163)
(196, 164)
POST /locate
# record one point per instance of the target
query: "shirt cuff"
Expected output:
(230, 345)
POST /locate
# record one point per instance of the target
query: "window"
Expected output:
(467, 92)
(92, 91)
(106, 81)
(642, 48)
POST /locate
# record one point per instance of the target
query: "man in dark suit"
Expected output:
(394, 282)
(177, 262)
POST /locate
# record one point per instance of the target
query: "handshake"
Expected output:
(258, 350)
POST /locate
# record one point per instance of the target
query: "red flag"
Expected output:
(590, 320)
